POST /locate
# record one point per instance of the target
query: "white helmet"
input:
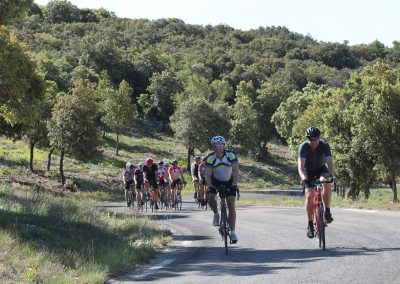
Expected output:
(128, 165)
(217, 139)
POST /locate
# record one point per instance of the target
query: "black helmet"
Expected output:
(313, 132)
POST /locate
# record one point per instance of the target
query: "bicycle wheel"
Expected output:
(225, 229)
(131, 199)
(321, 226)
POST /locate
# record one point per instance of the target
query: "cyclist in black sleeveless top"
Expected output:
(315, 162)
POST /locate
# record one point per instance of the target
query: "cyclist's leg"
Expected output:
(310, 203)
(138, 193)
(326, 193)
(147, 189)
(202, 189)
(230, 200)
(173, 186)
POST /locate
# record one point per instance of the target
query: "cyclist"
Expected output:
(176, 178)
(162, 176)
(222, 168)
(313, 158)
(138, 177)
(194, 169)
(202, 180)
(150, 178)
(128, 179)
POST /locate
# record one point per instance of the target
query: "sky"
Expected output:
(355, 21)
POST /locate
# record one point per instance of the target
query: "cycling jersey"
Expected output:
(150, 171)
(174, 173)
(202, 170)
(315, 159)
(128, 174)
(162, 174)
(195, 169)
(222, 168)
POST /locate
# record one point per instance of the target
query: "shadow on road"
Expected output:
(214, 262)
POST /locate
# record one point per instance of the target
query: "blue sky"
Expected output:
(335, 20)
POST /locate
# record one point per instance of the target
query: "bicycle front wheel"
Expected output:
(321, 225)
(224, 221)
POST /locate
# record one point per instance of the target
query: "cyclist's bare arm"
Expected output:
(235, 171)
(301, 163)
(208, 172)
(329, 162)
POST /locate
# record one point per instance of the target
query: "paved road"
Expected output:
(362, 247)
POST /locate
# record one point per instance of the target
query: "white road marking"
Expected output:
(154, 268)
(187, 243)
(361, 210)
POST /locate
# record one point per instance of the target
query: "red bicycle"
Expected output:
(319, 211)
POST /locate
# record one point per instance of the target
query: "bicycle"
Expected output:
(178, 198)
(131, 199)
(224, 227)
(319, 211)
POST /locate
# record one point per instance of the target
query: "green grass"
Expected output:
(50, 238)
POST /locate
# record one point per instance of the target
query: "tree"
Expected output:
(13, 8)
(162, 87)
(72, 128)
(118, 109)
(21, 87)
(58, 11)
(195, 126)
(244, 130)
(36, 131)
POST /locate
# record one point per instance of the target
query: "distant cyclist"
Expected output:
(202, 181)
(138, 176)
(128, 179)
(222, 168)
(314, 157)
(162, 174)
(150, 178)
(176, 179)
(194, 169)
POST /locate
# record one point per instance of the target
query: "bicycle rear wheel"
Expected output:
(321, 226)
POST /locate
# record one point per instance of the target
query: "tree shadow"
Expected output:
(250, 262)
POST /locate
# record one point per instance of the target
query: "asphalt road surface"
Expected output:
(362, 246)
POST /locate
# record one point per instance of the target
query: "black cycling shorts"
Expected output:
(174, 183)
(153, 184)
(314, 175)
(128, 184)
(139, 185)
(227, 184)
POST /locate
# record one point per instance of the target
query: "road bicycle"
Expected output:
(319, 221)
(131, 198)
(224, 227)
(178, 198)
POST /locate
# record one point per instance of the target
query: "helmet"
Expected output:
(161, 163)
(174, 162)
(204, 158)
(217, 139)
(129, 165)
(313, 132)
(197, 158)
(140, 164)
(149, 161)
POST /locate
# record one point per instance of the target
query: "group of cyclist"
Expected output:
(148, 177)
(221, 167)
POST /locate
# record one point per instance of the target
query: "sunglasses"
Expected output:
(218, 146)
(313, 139)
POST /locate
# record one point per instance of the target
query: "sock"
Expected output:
(310, 224)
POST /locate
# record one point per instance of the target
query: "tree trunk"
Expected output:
(117, 148)
(49, 159)
(189, 153)
(32, 147)
(62, 166)
(394, 187)
(352, 192)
